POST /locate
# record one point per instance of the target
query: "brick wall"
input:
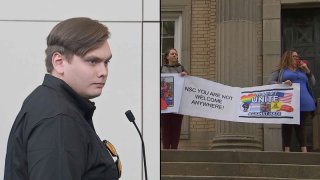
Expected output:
(203, 64)
(203, 33)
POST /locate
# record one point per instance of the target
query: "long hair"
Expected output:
(286, 60)
(166, 61)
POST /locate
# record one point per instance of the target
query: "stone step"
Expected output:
(241, 170)
(242, 165)
(174, 177)
(266, 157)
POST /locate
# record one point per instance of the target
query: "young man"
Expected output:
(53, 135)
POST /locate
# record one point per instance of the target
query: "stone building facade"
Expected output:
(237, 43)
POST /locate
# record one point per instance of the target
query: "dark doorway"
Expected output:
(301, 32)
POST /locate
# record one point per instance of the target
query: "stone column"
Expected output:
(271, 56)
(238, 53)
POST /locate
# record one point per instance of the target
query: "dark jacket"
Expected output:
(53, 138)
(178, 68)
(277, 78)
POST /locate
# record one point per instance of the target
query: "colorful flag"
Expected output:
(247, 98)
(284, 97)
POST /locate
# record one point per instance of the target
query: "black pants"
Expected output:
(299, 130)
(171, 128)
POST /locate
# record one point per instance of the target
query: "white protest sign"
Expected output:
(171, 88)
(208, 99)
(277, 103)
(198, 97)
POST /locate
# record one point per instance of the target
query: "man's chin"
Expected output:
(92, 96)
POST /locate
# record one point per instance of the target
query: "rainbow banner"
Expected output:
(275, 104)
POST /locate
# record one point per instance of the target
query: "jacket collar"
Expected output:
(85, 106)
(175, 65)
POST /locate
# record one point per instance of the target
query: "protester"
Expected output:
(171, 122)
(292, 70)
(53, 136)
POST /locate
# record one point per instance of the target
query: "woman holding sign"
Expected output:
(171, 122)
(293, 70)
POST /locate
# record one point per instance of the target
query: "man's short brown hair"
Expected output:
(75, 36)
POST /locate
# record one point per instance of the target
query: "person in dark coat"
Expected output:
(53, 136)
(171, 122)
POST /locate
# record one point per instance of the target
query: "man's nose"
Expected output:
(102, 70)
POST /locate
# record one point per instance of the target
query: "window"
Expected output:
(175, 32)
(170, 34)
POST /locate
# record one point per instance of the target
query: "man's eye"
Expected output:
(107, 62)
(92, 62)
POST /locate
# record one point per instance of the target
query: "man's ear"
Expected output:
(57, 62)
